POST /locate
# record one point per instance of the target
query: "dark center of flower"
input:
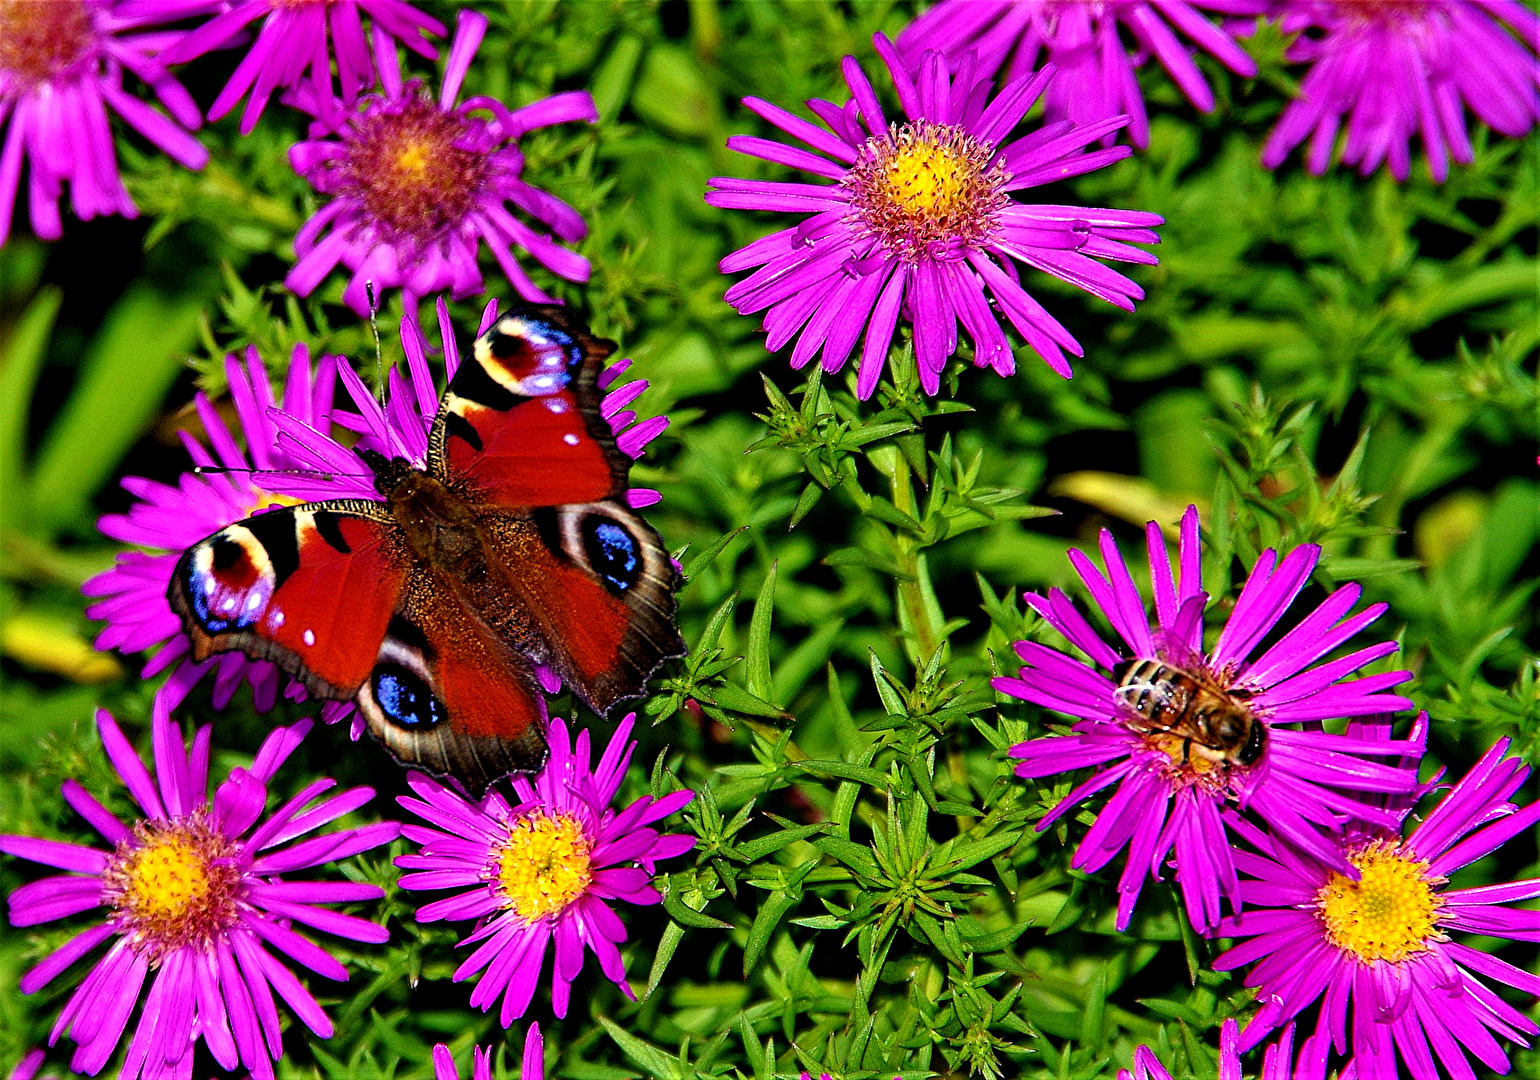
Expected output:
(542, 865)
(926, 190)
(173, 884)
(1382, 11)
(1390, 913)
(406, 166)
(40, 39)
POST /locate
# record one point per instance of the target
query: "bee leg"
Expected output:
(1186, 752)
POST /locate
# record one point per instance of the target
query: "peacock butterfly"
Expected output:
(432, 606)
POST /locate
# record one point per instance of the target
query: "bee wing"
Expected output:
(1182, 642)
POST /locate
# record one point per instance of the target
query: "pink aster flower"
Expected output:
(1276, 1064)
(292, 44)
(1262, 751)
(1096, 77)
(417, 184)
(1395, 68)
(542, 871)
(919, 221)
(61, 72)
(400, 428)
(532, 1066)
(1376, 952)
(194, 900)
(166, 519)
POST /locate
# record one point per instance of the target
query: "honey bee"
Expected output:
(1214, 723)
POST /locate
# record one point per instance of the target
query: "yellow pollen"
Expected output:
(411, 168)
(927, 191)
(927, 179)
(165, 878)
(267, 499)
(173, 884)
(1390, 913)
(543, 865)
(412, 158)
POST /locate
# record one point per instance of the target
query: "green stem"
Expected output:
(914, 595)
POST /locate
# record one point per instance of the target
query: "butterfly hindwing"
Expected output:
(520, 425)
(448, 694)
(599, 587)
(309, 587)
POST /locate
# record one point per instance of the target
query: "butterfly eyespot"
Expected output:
(528, 356)
(404, 698)
(226, 586)
(612, 551)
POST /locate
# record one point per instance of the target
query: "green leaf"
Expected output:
(771, 912)
(25, 350)
(683, 913)
(757, 658)
(673, 934)
(706, 558)
(130, 365)
(652, 1061)
(741, 701)
(846, 771)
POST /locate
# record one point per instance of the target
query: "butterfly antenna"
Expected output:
(318, 474)
(379, 355)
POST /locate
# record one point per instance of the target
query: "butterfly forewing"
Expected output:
(520, 425)
(308, 587)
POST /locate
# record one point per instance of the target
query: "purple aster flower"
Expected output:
(28, 1066)
(61, 72)
(1274, 1066)
(401, 426)
(541, 872)
(1096, 79)
(1392, 69)
(919, 221)
(167, 519)
(532, 1066)
(1377, 950)
(194, 900)
(416, 185)
(1172, 786)
(292, 43)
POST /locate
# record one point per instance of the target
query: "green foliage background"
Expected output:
(1344, 361)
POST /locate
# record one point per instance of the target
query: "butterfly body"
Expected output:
(434, 607)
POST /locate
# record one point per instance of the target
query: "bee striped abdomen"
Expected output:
(1212, 722)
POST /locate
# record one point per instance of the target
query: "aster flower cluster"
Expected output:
(193, 892)
(413, 185)
(919, 220)
(193, 901)
(1219, 766)
(1236, 746)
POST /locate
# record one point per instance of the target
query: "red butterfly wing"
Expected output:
(598, 586)
(520, 424)
(449, 694)
(311, 588)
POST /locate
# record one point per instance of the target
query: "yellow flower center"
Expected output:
(165, 878)
(40, 39)
(1390, 913)
(269, 499)
(543, 865)
(407, 167)
(173, 884)
(926, 190)
(925, 179)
